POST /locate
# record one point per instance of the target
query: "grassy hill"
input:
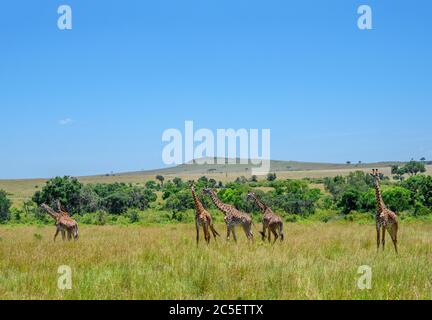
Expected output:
(23, 189)
(276, 166)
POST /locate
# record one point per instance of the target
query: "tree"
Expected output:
(118, 197)
(116, 202)
(5, 205)
(161, 179)
(350, 200)
(271, 177)
(397, 198)
(180, 201)
(66, 189)
(355, 180)
(151, 185)
(89, 200)
(398, 172)
(177, 182)
(421, 188)
(423, 159)
(241, 180)
(414, 167)
(140, 198)
(293, 196)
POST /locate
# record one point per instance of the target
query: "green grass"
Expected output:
(317, 261)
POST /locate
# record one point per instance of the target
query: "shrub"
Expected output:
(357, 180)
(397, 198)
(66, 189)
(132, 215)
(271, 177)
(5, 205)
(350, 200)
(179, 201)
(421, 188)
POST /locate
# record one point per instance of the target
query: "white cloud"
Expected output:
(65, 121)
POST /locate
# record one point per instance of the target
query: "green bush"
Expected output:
(421, 188)
(5, 205)
(350, 200)
(397, 198)
(66, 189)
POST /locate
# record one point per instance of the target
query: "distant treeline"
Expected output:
(341, 195)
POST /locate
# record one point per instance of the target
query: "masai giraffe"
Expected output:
(63, 222)
(271, 221)
(202, 218)
(385, 218)
(232, 217)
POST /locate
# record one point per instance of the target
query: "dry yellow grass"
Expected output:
(317, 261)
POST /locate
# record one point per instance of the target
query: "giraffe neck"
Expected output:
(380, 202)
(52, 213)
(198, 204)
(219, 204)
(261, 205)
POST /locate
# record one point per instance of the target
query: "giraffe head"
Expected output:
(251, 196)
(208, 191)
(191, 184)
(376, 175)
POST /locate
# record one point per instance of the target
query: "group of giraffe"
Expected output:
(63, 222)
(233, 217)
(386, 220)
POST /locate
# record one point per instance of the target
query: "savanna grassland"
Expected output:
(316, 261)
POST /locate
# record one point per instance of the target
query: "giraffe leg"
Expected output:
(63, 233)
(234, 234)
(76, 233)
(383, 237)
(275, 235)
(281, 232)
(197, 232)
(56, 234)
(247, 231)
(251, 233)
(378, 236)
(213, 230)
(263, 233)
(206, 233)
(393, 235)
(69, 235)
(269, 235)
(228, 232)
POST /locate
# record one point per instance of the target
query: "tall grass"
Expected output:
(316, 261)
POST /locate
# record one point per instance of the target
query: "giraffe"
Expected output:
(385, 218)
(63, 222)
(202, 218)
(271, 221)
(232, 217)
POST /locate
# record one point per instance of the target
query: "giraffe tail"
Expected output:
(76, 232)
(281, 233)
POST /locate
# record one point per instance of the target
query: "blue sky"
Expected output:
(97, 98)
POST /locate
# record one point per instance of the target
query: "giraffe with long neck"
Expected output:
(385, 218)
(63, 222)
(233, 217)
(271, 221)
(202, 218)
